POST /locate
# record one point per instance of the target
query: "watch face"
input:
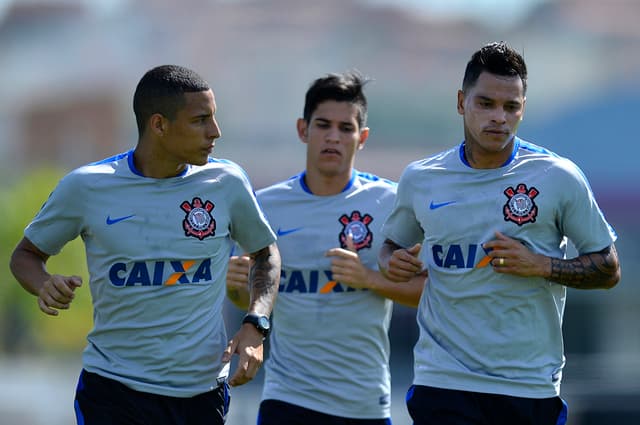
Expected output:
(263, 322)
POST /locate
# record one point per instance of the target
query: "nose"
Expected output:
(333, 135)
(213, 131)
(499, 116)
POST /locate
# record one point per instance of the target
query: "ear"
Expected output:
(303, 130)
(460, 102)
(364, 135)
(157, 124)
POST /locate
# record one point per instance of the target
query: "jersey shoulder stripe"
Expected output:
(531, 147)
(284, 185)
(227, 165)
(368, 177)
(113, 158)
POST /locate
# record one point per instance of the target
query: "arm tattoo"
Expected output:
(597, 270)
(264, 279)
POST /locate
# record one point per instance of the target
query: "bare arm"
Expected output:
(407, 293)
(54, 292)
(264, 279)
(596, 270)
(347, 268)
(240, 268)
(28, 265)
(263, 283)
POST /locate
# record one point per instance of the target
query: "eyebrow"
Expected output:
(201, 115)
(325, 120)
(491, 99)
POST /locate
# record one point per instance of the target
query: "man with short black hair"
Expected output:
(493, 215)
(157, 222)
(329, 358)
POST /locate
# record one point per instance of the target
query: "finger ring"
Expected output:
(501, 261)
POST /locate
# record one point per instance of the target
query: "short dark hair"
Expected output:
(161, 91)
(496, 58)
(345, 87)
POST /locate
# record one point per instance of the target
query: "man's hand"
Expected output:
(238, 280)
(346, 266)
(403, 263)
(57, 292)
(511, 256)
(247, 343)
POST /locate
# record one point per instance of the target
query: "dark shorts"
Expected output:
(437, 406)
(276, 412)
(104, 401)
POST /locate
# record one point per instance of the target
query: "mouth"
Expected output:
(331, 152)
(496, 131)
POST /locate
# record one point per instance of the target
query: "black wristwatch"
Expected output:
(261, 322)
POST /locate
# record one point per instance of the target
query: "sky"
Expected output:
(478, 9)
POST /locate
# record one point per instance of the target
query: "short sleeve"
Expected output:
(60, 219)
(402, 226)
(249, 226)
(581, 219)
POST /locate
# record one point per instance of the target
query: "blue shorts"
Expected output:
(104, 401)
(438, 406)
(276, 412)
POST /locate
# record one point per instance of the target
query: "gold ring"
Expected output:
(501, 261)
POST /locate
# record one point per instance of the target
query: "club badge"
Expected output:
(358, 226)
(520, 207)
(199, 222)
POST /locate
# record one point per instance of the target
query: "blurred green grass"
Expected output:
(23, 327)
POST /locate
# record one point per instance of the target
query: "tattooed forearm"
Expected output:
(598, 270)
(264, 279)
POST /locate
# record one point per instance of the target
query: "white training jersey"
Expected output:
(329, 348)
(157, 253)
(480, 330)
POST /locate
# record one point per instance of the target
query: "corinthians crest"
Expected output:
(358, 225)
(199, 222)
(520, 207)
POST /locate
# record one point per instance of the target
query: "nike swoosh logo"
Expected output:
(281, 232)
(435, 206)
(111, 221)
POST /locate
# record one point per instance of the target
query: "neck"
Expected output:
(322, 185)
(480, 158)
(150, 164)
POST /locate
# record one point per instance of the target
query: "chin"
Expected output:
(200, 161)
(498, 143)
